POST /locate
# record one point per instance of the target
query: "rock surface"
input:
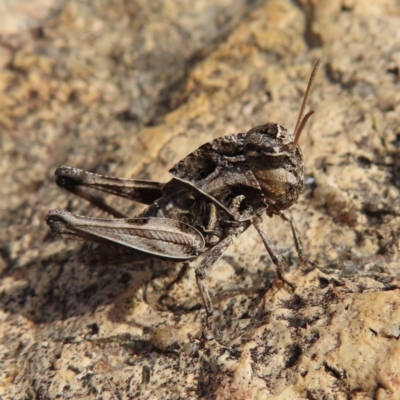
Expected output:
(128, 89)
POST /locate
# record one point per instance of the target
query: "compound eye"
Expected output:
(268, 150)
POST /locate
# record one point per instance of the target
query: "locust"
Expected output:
(215, 194)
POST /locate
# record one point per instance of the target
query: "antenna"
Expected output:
(301, 121)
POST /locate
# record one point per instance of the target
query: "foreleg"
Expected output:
(297, 241)
(273, 252)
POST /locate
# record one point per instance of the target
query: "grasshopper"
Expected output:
(215, 194)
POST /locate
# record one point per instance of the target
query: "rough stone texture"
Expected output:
(128, 89)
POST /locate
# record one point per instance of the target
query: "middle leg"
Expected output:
(202, 271)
